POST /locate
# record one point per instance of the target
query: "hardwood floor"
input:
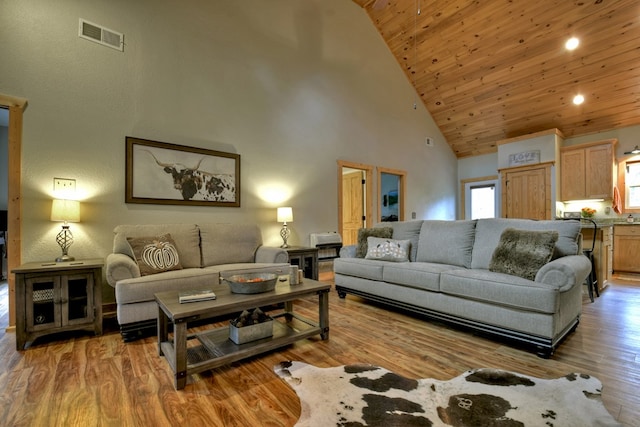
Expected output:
(100, 381)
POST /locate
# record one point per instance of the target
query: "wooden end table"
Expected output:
(56, 297)
(305, 258)
(192, 353)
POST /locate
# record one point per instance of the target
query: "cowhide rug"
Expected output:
(366, 395)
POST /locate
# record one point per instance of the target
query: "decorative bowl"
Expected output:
(251, 283)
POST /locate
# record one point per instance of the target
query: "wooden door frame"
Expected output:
(368, 169)
(16, 107)
(402, 178)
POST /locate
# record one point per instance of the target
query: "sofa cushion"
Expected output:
(419, 275)
(185, 236)
(155, 254)
(406, 230)
(500, 289)
(229, 243)
(359, 267)
(489, 230)
(143, 288)
(446, 242)
(388, 249)
(523, 252)
(365, 233)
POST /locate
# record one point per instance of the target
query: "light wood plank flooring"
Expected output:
(100, 381)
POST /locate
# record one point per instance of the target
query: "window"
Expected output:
(479, 198)
(483, 201)
(632, 185)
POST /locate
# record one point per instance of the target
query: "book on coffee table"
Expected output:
(197, 295)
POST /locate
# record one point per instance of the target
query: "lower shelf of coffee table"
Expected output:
(211, 349)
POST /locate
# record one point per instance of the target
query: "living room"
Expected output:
(291, 87)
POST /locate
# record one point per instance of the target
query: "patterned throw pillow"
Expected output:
(155, 254)
(365, 233)
(388, 249)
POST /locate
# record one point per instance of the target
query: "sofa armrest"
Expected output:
(348, 251)
(271, 254)
(565, 272)
(119, 267)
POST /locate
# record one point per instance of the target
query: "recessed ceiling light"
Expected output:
(572, 43)
(578, 99)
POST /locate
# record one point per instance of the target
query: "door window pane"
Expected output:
(483, 201)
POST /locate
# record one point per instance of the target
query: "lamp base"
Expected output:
(65, 258)
(285, 233)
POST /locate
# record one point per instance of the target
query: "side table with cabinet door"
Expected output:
(57, 297)
(306, 259)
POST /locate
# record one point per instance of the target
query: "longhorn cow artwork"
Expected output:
(163, 173)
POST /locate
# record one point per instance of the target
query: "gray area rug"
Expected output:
(366, 395)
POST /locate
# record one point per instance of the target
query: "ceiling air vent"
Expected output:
(104, 36)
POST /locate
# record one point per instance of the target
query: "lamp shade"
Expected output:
(65, 210)
(285, 214)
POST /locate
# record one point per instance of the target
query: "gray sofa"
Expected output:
(451, 275)
(204, 252)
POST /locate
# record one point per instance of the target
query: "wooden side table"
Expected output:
(56, 297)
(306, 259)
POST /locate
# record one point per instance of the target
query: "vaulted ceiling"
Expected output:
(489, 70)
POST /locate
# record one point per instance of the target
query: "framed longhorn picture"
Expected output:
(170, 174)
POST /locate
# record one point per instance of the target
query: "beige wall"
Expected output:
(292, 86)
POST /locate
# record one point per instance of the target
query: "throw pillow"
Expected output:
(446, 242)
(523, 252)
(365, 233)
(388, 249)
(155, 254)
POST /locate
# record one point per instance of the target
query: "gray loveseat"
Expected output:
(448, 277)
(204, 252)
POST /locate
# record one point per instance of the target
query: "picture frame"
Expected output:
(171, 174)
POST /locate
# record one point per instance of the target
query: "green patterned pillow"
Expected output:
(365, 233)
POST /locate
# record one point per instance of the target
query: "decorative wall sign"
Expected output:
(162, 173)
(524, 158)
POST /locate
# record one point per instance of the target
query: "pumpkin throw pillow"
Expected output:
(523, 252)
(155, 254)
(388, 249)
(365, 233)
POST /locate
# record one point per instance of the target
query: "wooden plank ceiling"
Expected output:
(488, 70)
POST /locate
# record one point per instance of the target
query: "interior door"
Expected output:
(355, 199)
(353, 217)
(527, 192)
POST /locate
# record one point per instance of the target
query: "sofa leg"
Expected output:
(544, 352)
(342, 294)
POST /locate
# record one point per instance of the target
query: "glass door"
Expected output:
(79, 307)
(43, 312)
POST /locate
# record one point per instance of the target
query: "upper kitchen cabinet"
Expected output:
(587, 171)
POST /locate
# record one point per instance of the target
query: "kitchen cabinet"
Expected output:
(587, 171)
(626, 240)
(602, 251)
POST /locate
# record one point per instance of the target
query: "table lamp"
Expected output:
(285, 215)
(67, 211)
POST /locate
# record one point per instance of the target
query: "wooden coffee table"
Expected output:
(192, 353)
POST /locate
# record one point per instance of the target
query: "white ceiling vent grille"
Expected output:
(96, 33)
